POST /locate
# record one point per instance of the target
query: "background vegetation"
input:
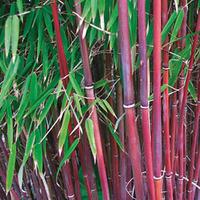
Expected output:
(99, 99)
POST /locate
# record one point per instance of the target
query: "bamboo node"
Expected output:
(71, 196)
(158, 178)
(169, 176)
(129, 106)
(144, 107)
(89, 87)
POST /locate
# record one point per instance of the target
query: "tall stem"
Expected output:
(91, 98)
(156, 123)
(166, 104)
(144, 97)
(131, 128)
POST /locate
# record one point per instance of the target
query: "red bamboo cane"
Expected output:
(90, 95)
(131, 128)
(144, 98)
(166, 105)
(66, 171)
(156, 123)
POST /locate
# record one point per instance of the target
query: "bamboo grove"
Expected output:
(100, 99)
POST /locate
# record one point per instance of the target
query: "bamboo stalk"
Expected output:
(156, 120)
(131, 128)
(182, 111)
(166, 105)
(66, 171)
(61, 54)
(144, 98)
(91, 98)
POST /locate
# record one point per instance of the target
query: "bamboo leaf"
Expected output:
(9, 125)
(192, 91)
(78, 105)
(10, 168)
(46, 109)
(48, 23)
(177, 25)
(90, 134)
(67, 155)
(75, 84)
(37, 151)
(15, 35)
(29, 147)
(29, 22)
(94, 6)
(116, 137)
(8, 32)
(168, 26)
(113, 17)
(24, 100)
(20, 8)
(110, 109)
(9, 77)
(63, 130)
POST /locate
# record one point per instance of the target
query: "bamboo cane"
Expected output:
(131, 128)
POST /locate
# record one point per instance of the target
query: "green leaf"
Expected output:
(9, 125)
(46, 109)
(64, 130)
(94, 6)
(37, 151)
(168, 25)
(39, 100)
(177, 25)
(75, 84)
(90, 134)
(9, 77)
(10, 168)
(15, 35)
(78, 105)
(116, 137)
(24, 100)
(8, 32)
(29, 147)
(67, 155)
(113, 17)
(192, 91)
(20, 8)
(48, 23)
(110, 109)
(29, 22)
